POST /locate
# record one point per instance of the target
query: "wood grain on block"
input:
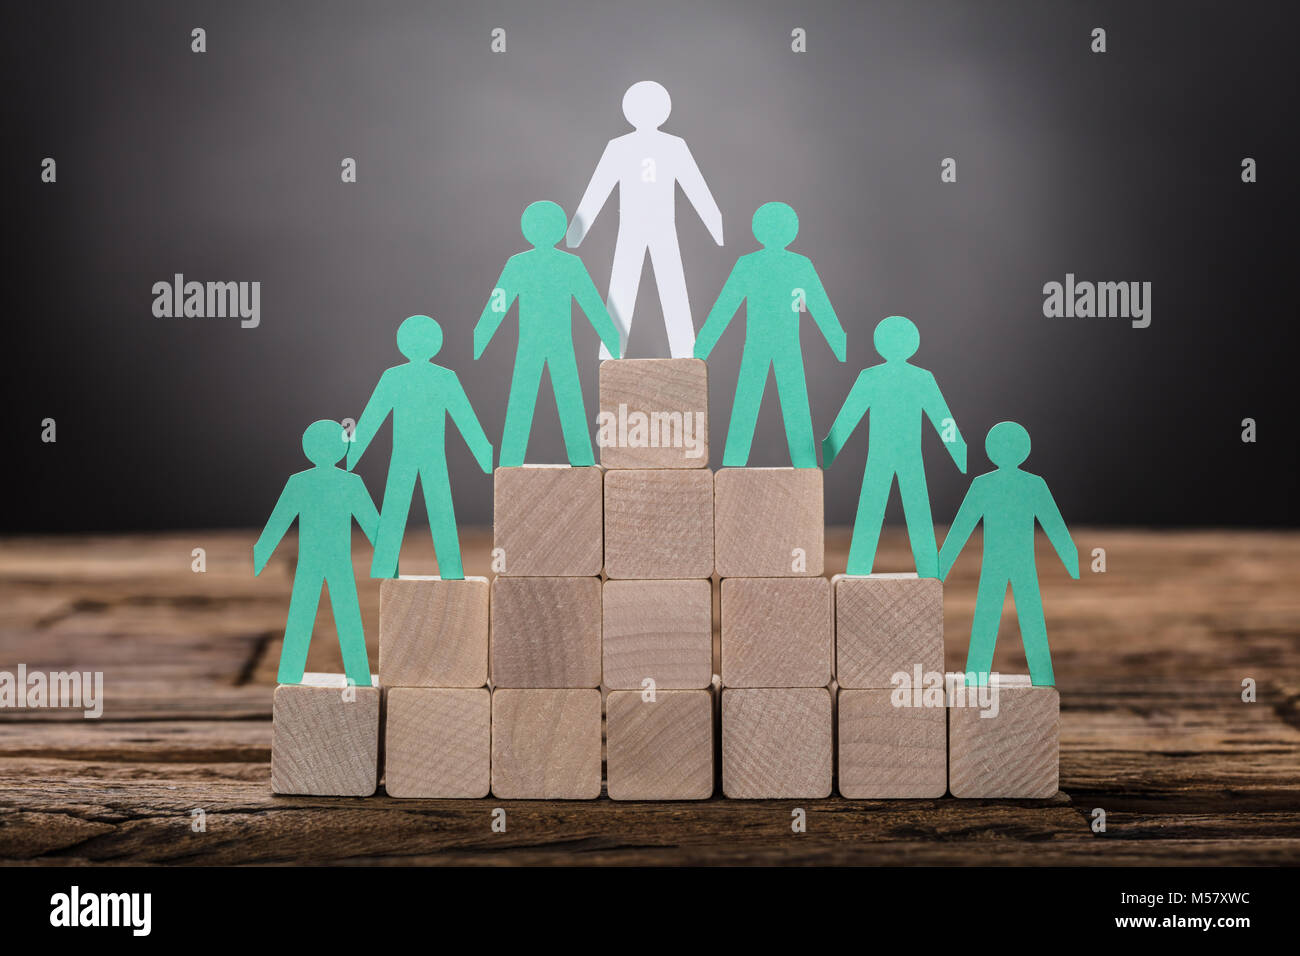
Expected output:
(654, 413)
(884, 624)
(891, 746)
(1013, 752)
(546, 744)
(661, 630)
(438, 742)
(546, 632)
(433, 633)
(776, 743)
(547, 521)
(776, 632)
(768, 522)
(659, 524)
(661, 749)
(325, 737)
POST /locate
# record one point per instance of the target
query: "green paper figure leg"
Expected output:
(392, 519)
(792, 389)
(442, 523)
(920, 523)
(1033, 628)
(563, 368)
(984, 628)
(744, 410)
(519, 408)
(347, 621)
(876, 483)
(297, 629)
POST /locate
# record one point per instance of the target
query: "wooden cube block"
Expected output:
(547, 521)
(662, 630)
(659, 524)
(660, 750)
(776, 743)
(889, 751)
(776, 632)
(433, 633)
(1014, 751)
(546, 744)
(884, 624)
(438, 742)
(769, 522)
(325, 737)
(654, 413)
(546, 632)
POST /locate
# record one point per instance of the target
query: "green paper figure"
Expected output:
(545, 280)
(324, 500)
(778, 286)
(1009, 501)
(896, 393)
(420, 395)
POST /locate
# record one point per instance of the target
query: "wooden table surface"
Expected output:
(1150, 657)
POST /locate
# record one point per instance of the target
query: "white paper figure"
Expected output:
(647, 164)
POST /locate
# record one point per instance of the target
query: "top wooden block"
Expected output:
(433, 633)
(548, 521)
(768, 522)
(654, 413)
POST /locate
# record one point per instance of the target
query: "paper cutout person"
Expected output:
(545, 280)
(647, 164)
(779, 285)
(324, 500)
(896, 394)
(1009, 501)
(420, 395)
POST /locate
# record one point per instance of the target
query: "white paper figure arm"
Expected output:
(602, 184)
(697, 192)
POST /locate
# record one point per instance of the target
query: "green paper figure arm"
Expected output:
(277, 526)
(936, 409)
(324, 500)
(847, 421)
(372, 419)
(823, 313)
(584, 291)
(723, 311)
(1049, 516)
(503, 296)
(963, 526)
(467, 423)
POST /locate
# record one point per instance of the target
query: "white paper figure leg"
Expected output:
(666, 258)
(624, 280)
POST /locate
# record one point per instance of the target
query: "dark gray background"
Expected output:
(225, 166)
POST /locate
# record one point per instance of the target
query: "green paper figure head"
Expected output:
(543, 224)
(896, 339)
(1007, 444)
(775, 225)
(419, 338)
(647, 104)
(324, 443)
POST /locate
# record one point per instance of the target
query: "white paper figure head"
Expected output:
(646, 104)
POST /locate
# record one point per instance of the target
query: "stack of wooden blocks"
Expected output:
(602, 610)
